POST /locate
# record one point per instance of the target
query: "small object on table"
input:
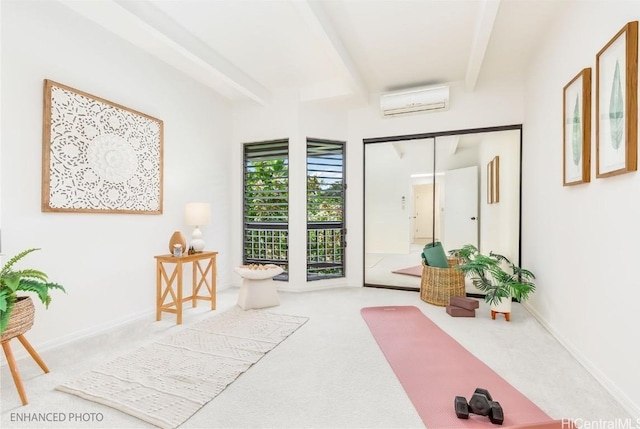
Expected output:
(177, 250)
(177, 238)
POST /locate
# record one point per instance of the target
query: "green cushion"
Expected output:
(433, 255)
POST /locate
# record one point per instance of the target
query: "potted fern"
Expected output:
(16, 312)
(496, 276)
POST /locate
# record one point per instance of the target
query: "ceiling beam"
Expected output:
(317, 21)
(145, 26)
(484, 27)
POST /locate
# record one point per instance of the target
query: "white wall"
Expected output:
(104, 260)
(581, 241)
(500, 221)
(285, 117)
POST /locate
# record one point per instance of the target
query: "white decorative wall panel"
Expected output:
(99, 156)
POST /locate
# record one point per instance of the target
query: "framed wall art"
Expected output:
(576, 127)
(490, 183)
(495, 179)
(99, 156)
(617, 104)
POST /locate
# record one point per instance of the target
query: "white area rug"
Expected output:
(166, 382)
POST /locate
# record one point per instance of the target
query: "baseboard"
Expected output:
(405, 288)
(482, 296)
(475, 295)
(632, 408)
(313, 286)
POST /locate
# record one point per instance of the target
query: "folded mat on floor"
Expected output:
(411, 271)
(434, 368)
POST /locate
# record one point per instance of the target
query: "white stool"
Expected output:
(258, 289)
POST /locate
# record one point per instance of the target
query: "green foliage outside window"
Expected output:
(266, 207)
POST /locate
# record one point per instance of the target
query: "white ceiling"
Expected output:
(251, 49)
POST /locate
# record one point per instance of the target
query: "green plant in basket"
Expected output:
(495, 275)
(26, 280)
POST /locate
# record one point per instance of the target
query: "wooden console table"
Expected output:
(169, 282)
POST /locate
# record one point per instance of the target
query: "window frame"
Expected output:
(328, 229)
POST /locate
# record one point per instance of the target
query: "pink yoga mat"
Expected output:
(434, 368)
(411, 271)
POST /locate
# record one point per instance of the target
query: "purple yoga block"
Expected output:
(460, 312)
(464, 302)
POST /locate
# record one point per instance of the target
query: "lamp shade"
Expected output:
(197, 214)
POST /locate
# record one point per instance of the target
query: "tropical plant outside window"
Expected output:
(266, 206)
(325, 209)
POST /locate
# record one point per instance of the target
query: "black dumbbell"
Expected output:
(461, 407)
(480, 403)
(496, 416)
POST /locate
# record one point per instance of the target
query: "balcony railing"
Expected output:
(268, 243)
(325, 250)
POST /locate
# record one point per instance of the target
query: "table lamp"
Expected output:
(197, 215)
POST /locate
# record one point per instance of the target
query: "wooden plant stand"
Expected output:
(14, 368)
(507, 316)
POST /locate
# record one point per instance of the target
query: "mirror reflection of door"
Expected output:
(415, 195)
(426, 215)
(461, 202)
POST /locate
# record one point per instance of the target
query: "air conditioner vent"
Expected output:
(425, 99)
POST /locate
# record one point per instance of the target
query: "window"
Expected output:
(325, 209)
(266, 204)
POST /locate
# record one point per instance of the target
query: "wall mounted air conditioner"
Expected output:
(425, 99)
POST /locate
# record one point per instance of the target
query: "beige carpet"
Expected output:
(167, 381)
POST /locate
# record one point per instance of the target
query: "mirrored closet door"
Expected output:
(454, 187)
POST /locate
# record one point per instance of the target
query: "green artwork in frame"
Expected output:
(616, 110)
(617, 104)
(576, 137)
(577, 129)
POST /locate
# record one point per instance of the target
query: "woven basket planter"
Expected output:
(438, 285)
(21, 319)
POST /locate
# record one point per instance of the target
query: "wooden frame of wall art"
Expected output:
(493, 180)
(576, 127)
(99, 156)
(617, 104)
